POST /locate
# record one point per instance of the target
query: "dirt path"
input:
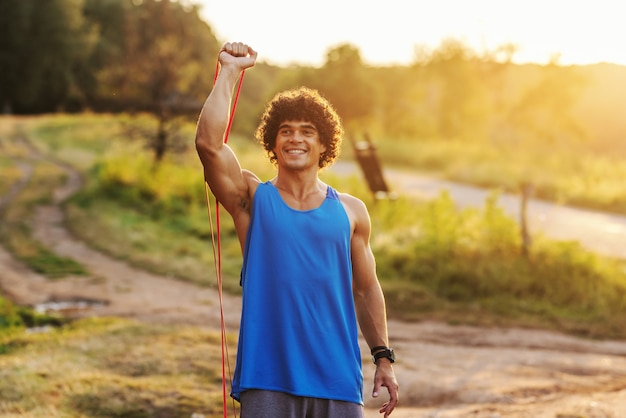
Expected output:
(114, 288)
(600, 232)
(444, 371)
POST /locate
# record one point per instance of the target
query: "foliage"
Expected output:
(129, 201)
(159, 57)
(149, 55)
(543, 113)
(9, 317)
(473, 259)
(568, 174)
(461, 91)
(14, 319)
(42, 43)
(166, 50)
(433, 259)
(344, 67)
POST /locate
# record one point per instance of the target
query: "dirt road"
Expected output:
(443, 370)
(599, 232)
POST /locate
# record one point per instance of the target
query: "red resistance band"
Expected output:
(217, 255)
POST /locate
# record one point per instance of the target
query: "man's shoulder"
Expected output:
(250, 176)
(355, 207)
(349, 199)
(252, 180)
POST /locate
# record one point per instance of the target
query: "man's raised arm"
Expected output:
(221, 168)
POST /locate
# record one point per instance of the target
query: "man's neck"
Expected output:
(300, 185)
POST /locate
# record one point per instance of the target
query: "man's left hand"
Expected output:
(385, 377)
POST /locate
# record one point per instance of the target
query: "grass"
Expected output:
(469, 266)
(111, 368)
(15, 229)
(156, 244)
(563, 173)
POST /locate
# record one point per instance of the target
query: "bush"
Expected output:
(9, 315)
(473, 258)
(14, 317)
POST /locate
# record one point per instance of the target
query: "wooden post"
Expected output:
(365, 152)
(527, 190)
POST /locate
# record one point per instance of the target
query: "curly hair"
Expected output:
(302, 104)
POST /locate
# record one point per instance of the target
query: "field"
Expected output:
(435, 263)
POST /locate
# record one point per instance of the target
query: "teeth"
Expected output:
(295, 151)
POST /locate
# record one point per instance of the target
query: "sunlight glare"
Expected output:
(581, 32)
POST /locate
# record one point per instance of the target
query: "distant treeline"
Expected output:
(160, 57)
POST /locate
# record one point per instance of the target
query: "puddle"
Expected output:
(68, 307)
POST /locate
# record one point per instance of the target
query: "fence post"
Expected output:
(527, 190)
(365, 152)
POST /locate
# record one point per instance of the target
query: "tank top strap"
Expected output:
(332, 193)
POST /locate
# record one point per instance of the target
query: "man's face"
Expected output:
(298, 145)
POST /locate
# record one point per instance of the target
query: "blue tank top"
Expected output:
(298, 332)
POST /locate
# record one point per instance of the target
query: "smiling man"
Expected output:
(308, 276)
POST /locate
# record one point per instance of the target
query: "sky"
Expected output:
(387, 32)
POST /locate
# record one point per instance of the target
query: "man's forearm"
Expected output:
(213, 119)
(372, 317)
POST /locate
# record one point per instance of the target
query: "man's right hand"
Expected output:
(238, 54)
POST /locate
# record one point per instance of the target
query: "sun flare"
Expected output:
(582, 32)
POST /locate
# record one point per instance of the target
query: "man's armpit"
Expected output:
(245, 204)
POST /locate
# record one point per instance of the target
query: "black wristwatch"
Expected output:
(383, 352)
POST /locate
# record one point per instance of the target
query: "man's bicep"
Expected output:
(225, 178)
(363, 262)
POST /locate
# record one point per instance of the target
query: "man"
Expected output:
(308, 272)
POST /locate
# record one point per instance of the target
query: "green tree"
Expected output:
(107, 18)
(161, 66)
(41, 42)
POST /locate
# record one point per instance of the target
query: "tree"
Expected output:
(107, 18)
(343, 81)
(347, 84)
(162, 65)
(405, 102)
(40, 43)
(543, 113)
(462, 94)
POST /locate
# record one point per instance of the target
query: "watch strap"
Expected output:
(378, 348)
(386, 353)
